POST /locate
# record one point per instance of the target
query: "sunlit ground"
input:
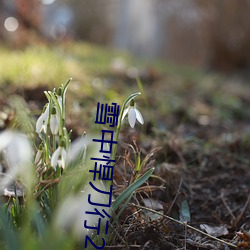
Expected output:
(199, 119)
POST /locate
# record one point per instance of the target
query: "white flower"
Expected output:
(75, 152)
(42, 122)
(59, 157)
(133, 114)
(71, 214)
(78, 148)
(17, 152)
(54, 121)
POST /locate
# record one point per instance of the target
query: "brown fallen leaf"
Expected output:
(245, 236)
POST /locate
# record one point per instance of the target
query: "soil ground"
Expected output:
(199, 131)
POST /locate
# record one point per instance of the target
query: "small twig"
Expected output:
(48, 185)
(118, 234)
(183, 224)
(185, 242)
(227, 207)
(239, 217)
(173, 202)
(145, 245)
(149, 188)
(122, 246)
(57, 180)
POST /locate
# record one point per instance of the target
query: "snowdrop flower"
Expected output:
(78, 148)
(42, 122)
(75, 152)
(17, 152)
(54, 121)
(133, 114)
(59, 157)
(71, 215)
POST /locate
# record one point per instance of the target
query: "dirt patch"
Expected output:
(203, 163)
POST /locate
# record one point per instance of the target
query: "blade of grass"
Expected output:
(11, 239)
(122, 209)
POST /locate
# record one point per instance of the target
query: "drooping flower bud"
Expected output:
(54, 121)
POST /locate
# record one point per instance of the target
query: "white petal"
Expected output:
(71, 213)
(55, 156)
(124, 113)
(38, 156)
(63, 158)
(59, 99)
(67, 213)
(5, 139)
(78, 147)
(39, 123)
(19, 151)
(61, 163)
(44, 127)
(42, 121)
(64, 153)
(139, 116)
(19, 158)
(132, 117)
(46, 113)
(54, 124)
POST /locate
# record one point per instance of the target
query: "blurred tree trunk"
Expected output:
(229, 34)
(28, 14)
(92, 20)
(212, 33)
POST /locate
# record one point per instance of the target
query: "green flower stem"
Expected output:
(66, 138)
(46, 148)
(54, 142)
(47, 137)
(65, 87)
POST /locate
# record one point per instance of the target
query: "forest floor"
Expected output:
(196, 135)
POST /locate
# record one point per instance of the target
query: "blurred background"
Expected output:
(193, 60)
(181, 50)
(212, 34)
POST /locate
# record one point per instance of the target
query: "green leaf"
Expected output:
(39, 222)
(185, 212)
(11, 237)
(128, 191)
(122, 208)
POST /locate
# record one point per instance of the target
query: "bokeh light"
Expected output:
(11, 24)
(48, 2)
(58, 31)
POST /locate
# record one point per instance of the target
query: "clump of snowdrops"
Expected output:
(46, 177)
